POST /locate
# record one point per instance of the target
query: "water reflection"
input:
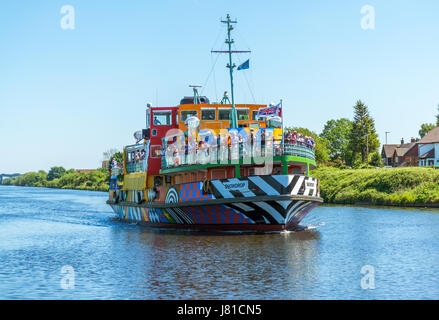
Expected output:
(190, 265)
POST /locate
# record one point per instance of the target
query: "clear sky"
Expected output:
(66, 96)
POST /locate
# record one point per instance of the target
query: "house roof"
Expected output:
(403, 149)
(431, 137)
(389, 149)
(429, 154)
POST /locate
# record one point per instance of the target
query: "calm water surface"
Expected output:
(42, 230)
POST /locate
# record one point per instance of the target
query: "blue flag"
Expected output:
(245, 65)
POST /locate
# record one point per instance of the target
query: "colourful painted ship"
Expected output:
(217, 166)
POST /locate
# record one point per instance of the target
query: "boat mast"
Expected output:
(231, 66)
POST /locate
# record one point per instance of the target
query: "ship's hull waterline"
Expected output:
(256, 203)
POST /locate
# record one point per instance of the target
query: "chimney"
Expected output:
(412, 140)
(402, 140)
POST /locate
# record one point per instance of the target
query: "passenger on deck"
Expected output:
(113, 178)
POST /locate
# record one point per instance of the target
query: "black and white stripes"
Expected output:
(265, 186)
(288, 212)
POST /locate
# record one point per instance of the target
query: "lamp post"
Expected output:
(387, 159)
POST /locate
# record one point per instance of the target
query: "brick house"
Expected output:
(402, 155)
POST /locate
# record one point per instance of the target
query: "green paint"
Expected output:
(285, 160)
(237, 171)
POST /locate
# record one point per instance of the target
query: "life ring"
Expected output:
(207, 187)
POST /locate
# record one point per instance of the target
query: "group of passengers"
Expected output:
(295, 138)
(203, 148)
(137, 156)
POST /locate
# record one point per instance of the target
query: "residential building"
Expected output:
(428, 149)
(400, 155)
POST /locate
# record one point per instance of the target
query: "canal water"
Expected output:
(66, 244)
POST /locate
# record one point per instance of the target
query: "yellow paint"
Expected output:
(135, 181)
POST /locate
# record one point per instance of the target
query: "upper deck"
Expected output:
(217, 116)
(242, 146)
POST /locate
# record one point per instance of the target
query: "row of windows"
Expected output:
(164, 118)
(223, 114)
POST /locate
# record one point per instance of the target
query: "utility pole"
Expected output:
(367, 151)
(387, 159)
(231, 66)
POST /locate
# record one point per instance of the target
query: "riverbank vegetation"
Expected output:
(390, 186)
(58, 177)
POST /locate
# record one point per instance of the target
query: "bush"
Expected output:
(393, 186)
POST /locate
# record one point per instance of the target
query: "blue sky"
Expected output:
(66, 96)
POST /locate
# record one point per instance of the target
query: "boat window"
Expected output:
(224, 114)
(207, 114)
(162, 118)
(158, 181)
(187, 113)
(255, 115)
(242, 114)
(156, 151)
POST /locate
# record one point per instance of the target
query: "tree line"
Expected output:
(60, 178)
(347, 143)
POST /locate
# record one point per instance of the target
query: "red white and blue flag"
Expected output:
(270, 111)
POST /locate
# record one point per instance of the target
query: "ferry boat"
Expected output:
(216, 166)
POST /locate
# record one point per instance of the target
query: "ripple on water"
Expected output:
(42, 230)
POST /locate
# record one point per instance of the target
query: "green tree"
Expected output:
(375, 160)
(336, 132)
(55, 173)
(118, 156)
(425, 128)
(437, 116)
(321, 144)
(363, 136)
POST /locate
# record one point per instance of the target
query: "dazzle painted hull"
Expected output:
(255, 203)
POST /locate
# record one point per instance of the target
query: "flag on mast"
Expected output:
(245, 65)
(270, 111)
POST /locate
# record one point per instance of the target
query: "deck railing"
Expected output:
(215, 155)
(136, 167)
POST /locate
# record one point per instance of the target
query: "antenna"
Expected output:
(196, 95)
(231, 66)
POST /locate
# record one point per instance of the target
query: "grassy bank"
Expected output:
(96, 180)
(392, 186)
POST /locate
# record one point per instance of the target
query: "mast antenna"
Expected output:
(231, 66)
(196, 95)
